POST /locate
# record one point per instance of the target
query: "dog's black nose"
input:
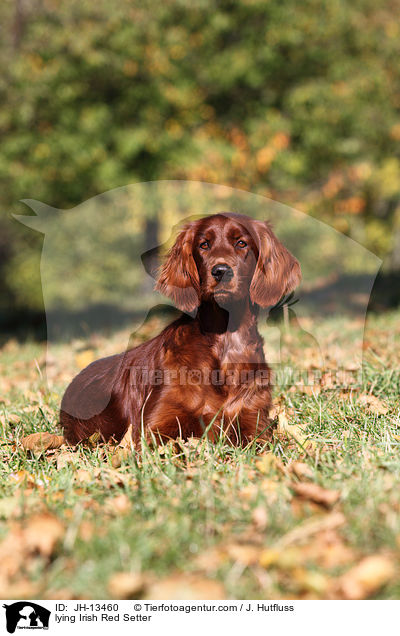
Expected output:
(222, 271)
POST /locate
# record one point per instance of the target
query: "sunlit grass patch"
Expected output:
(313, 514)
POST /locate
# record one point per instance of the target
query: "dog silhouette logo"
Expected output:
(101, 258)
(26, 615)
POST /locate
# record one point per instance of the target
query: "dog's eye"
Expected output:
(241, 243)
(204, 245)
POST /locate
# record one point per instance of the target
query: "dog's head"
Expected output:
(227, 257)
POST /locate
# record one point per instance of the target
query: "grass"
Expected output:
(210, 519)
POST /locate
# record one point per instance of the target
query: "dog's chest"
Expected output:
(242, 371)
(235, 349)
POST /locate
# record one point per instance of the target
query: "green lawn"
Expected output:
(314, 515)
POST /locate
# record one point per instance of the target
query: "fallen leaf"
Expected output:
(38, 534)
(186, 587)
(366, 578)
(40, 442)
(248, 492)
(120, 455)
(325, 548)
(373, 404)
(310, 389)
(275, 410)
(311, 527)
(300, 470)
(120, 504)
(269, 557)
(126, 585)
(244, 554)
(67, 457)
(316, 493)
(83, 476)
(21, 589)
(30, 409)
(290, 431)
(94, 439)
(42, 533)
(328, 550)
(260, 517)
(22, 477)
(211, 559)
(115, 478)
(9, 507)
(127, 441)
(267, 462)
(309, 580)
(86, 530)
(13, 418)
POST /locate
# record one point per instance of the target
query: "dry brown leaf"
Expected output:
(275, 410)
(309, 580)
(11, 553)
(328, 550)
(267, 462)
(67, 457)
(309, 389)
(186, 587)
(12, 418)
(290, 431)
(118, 505)
(115, 477)
(211, 559)
(366, 578)
(83, 476)
(126, 585)
(23, 501)
(316, 493)
(86, 530)
(39, 534)
(311, 527)
(248, 492)
(22, 477)
(21, 589)
(9, 507)
(269, 557)
(120, 455)
(300, 470)
(244, 554)
(127, 441)
(42, 533)
(124, 449)
(40, 442)
(94, 440)
(373, 404)
(260, 517)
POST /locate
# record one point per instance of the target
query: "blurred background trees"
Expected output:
(299, 102)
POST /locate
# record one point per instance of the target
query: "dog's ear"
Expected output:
(179, 278)
(277, 271)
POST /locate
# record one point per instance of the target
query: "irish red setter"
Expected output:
(205, 373)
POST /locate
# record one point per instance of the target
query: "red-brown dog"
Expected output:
(206, 371)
